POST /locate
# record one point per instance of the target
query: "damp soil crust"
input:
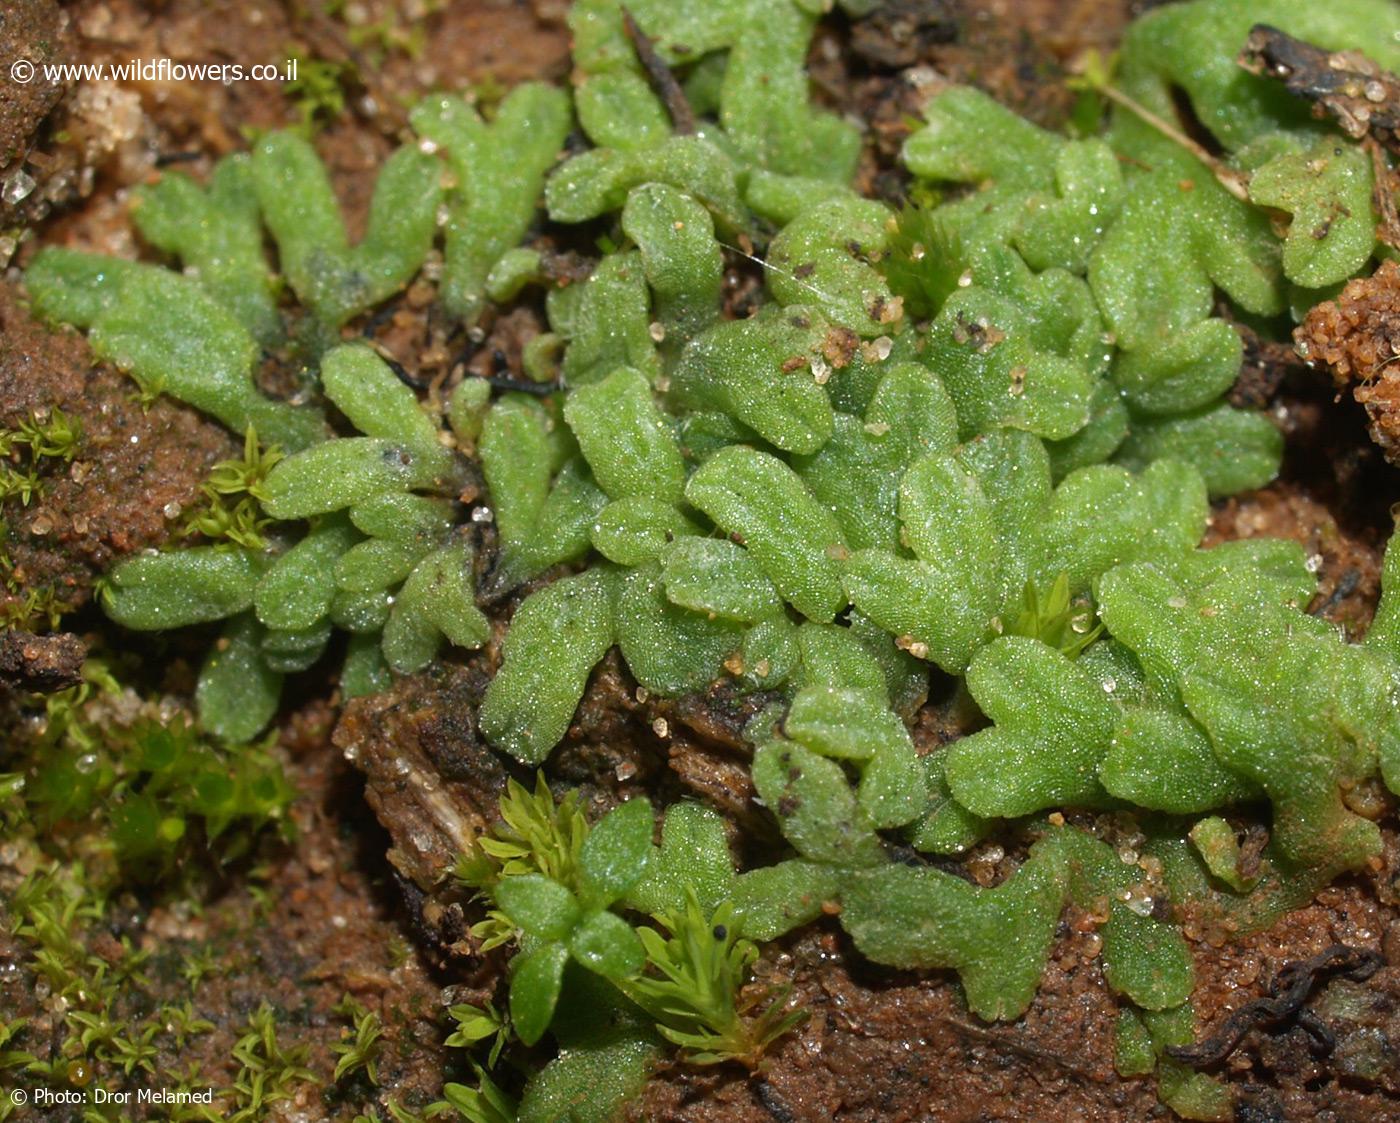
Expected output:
(356, 903)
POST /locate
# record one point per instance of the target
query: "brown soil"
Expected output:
(40, 663)
(1357, 336)
(36, 32)
(331, 913)
(135, 471)
(1276, 1074)
(889, 1047)
(303, 928)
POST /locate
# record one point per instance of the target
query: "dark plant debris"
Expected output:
(1284, 1004)
(41, 663)
(1344, 85)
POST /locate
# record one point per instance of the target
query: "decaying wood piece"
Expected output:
(430, 779)
(1348, 87)
(1344, 85)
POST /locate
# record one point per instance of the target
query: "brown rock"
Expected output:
(42, 663)
(32, 33)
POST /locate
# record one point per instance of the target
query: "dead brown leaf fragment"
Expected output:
(1344, 85)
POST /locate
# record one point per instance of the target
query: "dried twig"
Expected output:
(1383, 194)
(1345, 85)
(1023, 1048)
(1093, 75)
(1284, 1003)
(662, 80)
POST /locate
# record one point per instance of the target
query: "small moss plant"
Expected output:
(482, 1103)
(267, 1070)
(243, 522)
(359, 1050)
(141, 796)
(699, 966)
(37, 446)
(583, 941)
(979, 434)
(477, 1024)
(318, 90)
(115, 1017)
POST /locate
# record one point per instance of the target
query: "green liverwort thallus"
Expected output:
(980, 436)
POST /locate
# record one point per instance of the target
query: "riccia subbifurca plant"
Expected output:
(980, 434)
